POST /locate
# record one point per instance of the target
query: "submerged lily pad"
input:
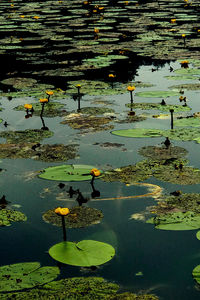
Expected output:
(28, 135)
(78, 217)
(7, 216)
(46, 152)
(85, 253)
(161, 152)
(95, 288)
(176, 221)
(157, 94)
(25, 275)
(67, 173)
(51, 109)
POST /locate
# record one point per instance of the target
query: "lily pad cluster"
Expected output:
(25, 276)
(8, 216)
(161, 152)
(28, 135)
(78, 217)
(75, 288)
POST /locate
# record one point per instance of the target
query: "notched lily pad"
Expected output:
(7, 216)
(67, 173)
(28, 135)
(25, 275)
(78, 217)
(85, 253)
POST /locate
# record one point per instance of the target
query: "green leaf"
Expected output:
(198, 235)
(67, 173)
(85, 253)
(7, 216)
(157, 94)
(196, 273)
(25, 275)
(138, 132)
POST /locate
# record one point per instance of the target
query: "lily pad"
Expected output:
(86, 253)
(198, 235)
(138, 132)
(196, 273)
(157, 94)
(67, 173)
(161, 152)
(188, 121)
(7, 216)
(78, 217)
(28, 135)
(25, 275)
(186, 86)
(51, 109)
(158, 106)
(19, 83)
(176, 221)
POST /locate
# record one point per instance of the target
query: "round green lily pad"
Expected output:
(78, 217)
(7, 216)
(176, 221)
(25, 275)
(198, 235)
(67, 173)
(138, 132)
(86, 253)
(157, 94)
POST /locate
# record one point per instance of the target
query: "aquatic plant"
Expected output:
(43, 101)
(62, 212)
(85, 253)
(7, 216)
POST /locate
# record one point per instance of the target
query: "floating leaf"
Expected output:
(86, 253)
(158, 106)
(25, 275)
(191, 121)
(157, 94)
(7, 216)
(196, 273)
(67, 173)
(78, 217)
(28, 135)
(198, 235)
(138, 132)
(176, 221)
(161, 152)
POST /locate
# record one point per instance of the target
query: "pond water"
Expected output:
(147, 260)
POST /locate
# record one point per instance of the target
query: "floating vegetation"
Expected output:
(46, 152)
(25, 275)
(191, 121)
(186, 86)
(179, 202)
(157, 94)
(85, 253)
(28, 135)
(176, 221)
(70, 288)
(78, 217)
(88, 123)
(183, 134)
(162, 152)
(7, 216)
(196, 274)
(20, 83)
(52, 109)
(158, 106)
(67, 173)
(96, 110)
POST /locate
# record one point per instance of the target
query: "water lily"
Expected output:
(44, 100)
(95, 172)
(28, 106)
(63, 212)
(131, 88)
(173, 21)
(49, 93)
(184, 63)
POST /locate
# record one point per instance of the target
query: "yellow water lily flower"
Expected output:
(28, 106)
(111, 75)
(131, 88)
(62, 211)
(173, 21)
(95, 172)
(44, 100)
(96, 30)
(50, 93)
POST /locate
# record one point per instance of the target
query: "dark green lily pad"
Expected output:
(158, 106)
(85, 253)
(67, 173)
(85, 288)
(198, 235)
(188, 121)
(196, 273)
(51, 109)
(20, 83)
(176, 221)
(78, 217)
(131, 296)
(96, 110)
(7, 216)
(157, 94)
(28, 135)
(161, 152)
(25, 275)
